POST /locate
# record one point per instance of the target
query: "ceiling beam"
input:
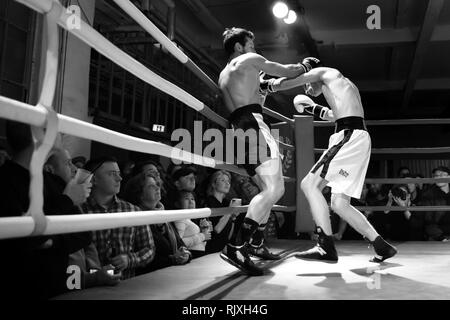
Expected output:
(431, 17)
(383, 37)
(352, 37)
(398, 85)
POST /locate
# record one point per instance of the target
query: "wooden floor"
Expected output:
(421, 270)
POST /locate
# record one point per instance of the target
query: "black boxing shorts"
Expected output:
(260, 145)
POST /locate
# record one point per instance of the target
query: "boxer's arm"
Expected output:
(312, 76)
(274, 68)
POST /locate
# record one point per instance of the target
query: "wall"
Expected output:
(72, 96)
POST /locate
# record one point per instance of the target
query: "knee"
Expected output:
(306, 184)
(338, 205)
(276, 192)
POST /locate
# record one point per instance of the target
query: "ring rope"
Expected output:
(399, 208)
(153, 30)
(405, 122)
(278, 116)
(13, 227)
(406, 180)
(402, 150)
(44, 141)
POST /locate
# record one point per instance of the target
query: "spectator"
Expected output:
(79, 161)
(414, 190)
(403, 172)
(437, 223)
(59, 165)
(151, 167)
(144, 190)
(183, 179)
(194, 238)
(398, 221)
(126, 248)
(34, 267)
(216, 191)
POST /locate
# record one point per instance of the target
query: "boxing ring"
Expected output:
(209, 277)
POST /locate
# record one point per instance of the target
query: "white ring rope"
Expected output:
(402, 150)
(44, 141)
(405, 122)
(13, 227)
(153, 30)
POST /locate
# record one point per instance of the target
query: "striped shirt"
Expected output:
(136, 242)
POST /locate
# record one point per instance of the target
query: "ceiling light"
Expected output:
(291, 18)
(280, 10)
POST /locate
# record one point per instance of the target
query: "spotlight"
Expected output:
(291, 18)
(280, 10)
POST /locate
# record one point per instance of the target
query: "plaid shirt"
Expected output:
(136, 242)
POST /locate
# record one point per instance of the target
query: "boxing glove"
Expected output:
(267, 86)
(304, 103)
(310, 63)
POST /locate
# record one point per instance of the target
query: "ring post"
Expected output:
(304, 154)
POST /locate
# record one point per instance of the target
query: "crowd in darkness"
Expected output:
(37, 266)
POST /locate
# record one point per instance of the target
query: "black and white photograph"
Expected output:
(225, 159)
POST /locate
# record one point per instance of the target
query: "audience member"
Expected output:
(144, 190)
(398, 222)
(126, 248)
(181, 178)
(437, 223)
(414, 190)
(402, 172)
(193, 237)
(36, 266)
(216, 191)
(60, 165)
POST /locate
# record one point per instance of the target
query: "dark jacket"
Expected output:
(33, 272)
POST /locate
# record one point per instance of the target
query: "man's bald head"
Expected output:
(60, 163)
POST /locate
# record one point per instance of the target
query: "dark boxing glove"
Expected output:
(310, 63)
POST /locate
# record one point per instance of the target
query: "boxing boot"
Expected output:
(324, 251)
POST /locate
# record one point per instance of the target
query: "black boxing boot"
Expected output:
(236, 251)
(238, 257)
(257, 247)
(261, 251)
(324, 251)
(383, 250)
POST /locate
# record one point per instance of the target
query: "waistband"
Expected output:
(350, 123)
(245, 110)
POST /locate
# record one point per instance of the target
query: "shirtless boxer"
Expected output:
(243, 94)
(342, 166)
